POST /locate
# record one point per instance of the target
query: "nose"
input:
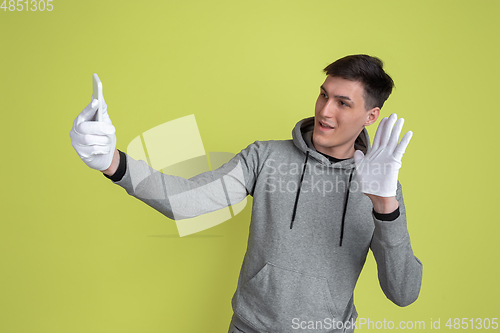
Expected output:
(328, 109)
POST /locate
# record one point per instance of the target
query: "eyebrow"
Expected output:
(347, 98)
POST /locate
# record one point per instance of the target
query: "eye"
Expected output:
(342, 103)
(323, 94)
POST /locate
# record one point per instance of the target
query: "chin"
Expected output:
(320, 141)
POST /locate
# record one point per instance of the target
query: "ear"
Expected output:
(372, 116)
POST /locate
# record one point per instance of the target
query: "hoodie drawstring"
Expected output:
(345, 202)
(298, 190)
(345, 208)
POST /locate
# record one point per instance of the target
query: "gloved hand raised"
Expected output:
(377, 172)
(94, 141)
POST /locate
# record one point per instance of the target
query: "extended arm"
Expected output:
(176, 197)
(179, 198)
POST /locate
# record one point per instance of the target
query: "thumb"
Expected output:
(401, 148)
(89, 111)
(358, 157)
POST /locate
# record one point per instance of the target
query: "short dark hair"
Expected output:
(367, 70)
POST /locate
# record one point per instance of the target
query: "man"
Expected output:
(312, 221)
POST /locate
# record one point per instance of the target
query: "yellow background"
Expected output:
(77, 254)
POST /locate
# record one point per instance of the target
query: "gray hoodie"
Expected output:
(310, 232)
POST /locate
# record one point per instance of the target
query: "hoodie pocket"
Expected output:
(278, 299)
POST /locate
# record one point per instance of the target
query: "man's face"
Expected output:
(340, 115)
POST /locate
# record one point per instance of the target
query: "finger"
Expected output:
(376, 140)
(88, 113)
(92, 139)
(95, 127)
(386, 133)
(396, 132)
(401, 148)
(90, 151)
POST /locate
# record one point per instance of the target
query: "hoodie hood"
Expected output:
(302, 138)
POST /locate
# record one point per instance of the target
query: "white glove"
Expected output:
(377, 172)
(94, 141)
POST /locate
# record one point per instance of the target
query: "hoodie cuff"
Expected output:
(122, 168)
(391, 233)
(387, 217)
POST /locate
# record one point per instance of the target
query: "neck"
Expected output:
(337, 152)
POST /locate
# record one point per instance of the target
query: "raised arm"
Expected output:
(399, 271)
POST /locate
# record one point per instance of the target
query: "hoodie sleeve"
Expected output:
(399, 271)
(179, 198)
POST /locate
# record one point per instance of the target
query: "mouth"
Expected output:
(325, 127)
